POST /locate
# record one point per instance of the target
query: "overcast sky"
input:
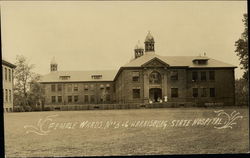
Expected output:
(102, 35)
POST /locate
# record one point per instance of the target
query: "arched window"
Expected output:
(155, 78)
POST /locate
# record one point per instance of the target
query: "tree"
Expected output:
(242, 48)
(241, 92)
(36, 93)
(22, 76)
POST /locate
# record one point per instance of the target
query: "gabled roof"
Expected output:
(178, 61)
(78, 76)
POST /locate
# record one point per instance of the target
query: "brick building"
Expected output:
(148, 78)
(7, 80)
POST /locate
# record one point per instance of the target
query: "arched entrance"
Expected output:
(155, 94)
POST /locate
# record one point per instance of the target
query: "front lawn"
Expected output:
(121, 134)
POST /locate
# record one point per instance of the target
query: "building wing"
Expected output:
(79, 76)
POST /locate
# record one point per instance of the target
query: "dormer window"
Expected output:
(96, 76)
(64, 77)
(200, 60)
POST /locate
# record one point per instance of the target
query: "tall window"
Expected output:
(101, 87)
(195, 92)
(174, 75)
(75, 87)
(203, 92)
(135, 76)
(10, 75)
(194, 75)
(10, 99)
(59, 87)
(92, 99)
(59, 99)
(53, 99)
(212, 92)
(53, 88)
(86, 98)
(69, 99)
(108, 87)
(174, 92)
(211, 75)
(6, 95)
(69, 87)
(76, 98)
(6, 74)
(136, 93)
(86, 87)
(155, 78)
(92, 87)
(108, 98)
(203, 76)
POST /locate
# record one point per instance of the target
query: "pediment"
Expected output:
(155, 62)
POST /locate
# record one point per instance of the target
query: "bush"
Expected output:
(27, 109)
(37, 109)
(47, 109)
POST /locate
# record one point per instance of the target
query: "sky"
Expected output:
(102, 35)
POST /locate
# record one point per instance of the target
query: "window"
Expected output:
(212, 92)
(64, 77)
(76, 98)
(92, 98)
(86, 98)
(6, 95)
(92, 87)
(135, 76)
(53, 99)
(10, 99)
(96, 76)
(69, 99)
(102, 87)
(174, 92)
(59, 87)
(203, 76)
(59, 99)
(6, 75)
(108, 98)
(136, 93)
(69, 87)
(174, 75)
(155, 78)
(86, 87)
(194, 76)
(195, 92)
(3, 95)
(203, 92)
(53, 88)
(75, 87)
(10, 75)
(211, 75)
(202, 62)
(108, 87)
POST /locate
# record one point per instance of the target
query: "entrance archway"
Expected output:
(155, 94)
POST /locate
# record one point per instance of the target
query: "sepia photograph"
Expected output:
(124, 78)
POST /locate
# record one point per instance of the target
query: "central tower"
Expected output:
(149, 43)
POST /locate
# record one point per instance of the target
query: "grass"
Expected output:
(125, 141)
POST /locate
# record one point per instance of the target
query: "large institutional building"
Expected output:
(7, 80)
(148, 78)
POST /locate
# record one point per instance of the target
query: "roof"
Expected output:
(78, 76)
(149, 37)
(53, 61)
(178, 61)
(6, 63)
